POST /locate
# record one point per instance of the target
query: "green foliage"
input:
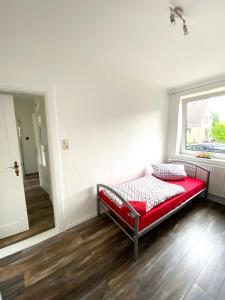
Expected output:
(191, 137)
(218, 132)
(215, 117)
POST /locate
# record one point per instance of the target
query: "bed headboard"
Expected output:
(193, 170)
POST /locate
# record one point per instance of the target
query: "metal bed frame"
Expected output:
(192, 170)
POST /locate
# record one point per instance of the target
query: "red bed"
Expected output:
(191, 185)
(196, 183)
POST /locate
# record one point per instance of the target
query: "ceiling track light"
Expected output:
(177, 13)
(172, 16)
(185, 29)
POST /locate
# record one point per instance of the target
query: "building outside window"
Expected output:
(204, 124)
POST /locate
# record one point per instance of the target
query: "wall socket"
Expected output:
(65, 143)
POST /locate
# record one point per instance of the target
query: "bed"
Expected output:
(135, 224)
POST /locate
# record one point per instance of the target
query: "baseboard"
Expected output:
(9, 250)
(44, 185)
(217, 199)
(75, 223)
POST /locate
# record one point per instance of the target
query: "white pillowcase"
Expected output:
(169, 171)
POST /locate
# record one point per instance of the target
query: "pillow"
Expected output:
(169, 171)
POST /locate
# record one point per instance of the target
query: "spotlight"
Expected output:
(172, 17)
(177, 13)
(185, 29)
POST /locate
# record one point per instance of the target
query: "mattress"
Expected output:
(147, 190)
(191, 185)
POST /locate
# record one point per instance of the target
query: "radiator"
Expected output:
(217, 179)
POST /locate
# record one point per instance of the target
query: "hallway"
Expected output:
(39, 208)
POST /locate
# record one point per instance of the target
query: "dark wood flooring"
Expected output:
(183, 258)
(39, 209)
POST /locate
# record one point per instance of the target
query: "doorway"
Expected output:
(27, 165)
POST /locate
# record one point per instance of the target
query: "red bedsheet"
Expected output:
(191, 186)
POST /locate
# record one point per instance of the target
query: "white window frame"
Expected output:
(184, 100)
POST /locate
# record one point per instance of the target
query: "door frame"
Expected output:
(55, 168)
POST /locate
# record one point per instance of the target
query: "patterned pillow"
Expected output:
(169, 171)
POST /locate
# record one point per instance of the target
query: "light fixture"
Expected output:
(172, 17)
(177, 12)
(185, 29)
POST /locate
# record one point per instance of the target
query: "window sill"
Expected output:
(208, 161)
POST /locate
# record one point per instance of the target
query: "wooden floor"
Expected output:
(39, 209)
(183, 258)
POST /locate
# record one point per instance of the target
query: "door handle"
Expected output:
(16, 168)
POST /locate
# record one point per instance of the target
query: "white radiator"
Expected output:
(217, 177)
(217, 180)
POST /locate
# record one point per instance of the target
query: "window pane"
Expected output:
(205, 125)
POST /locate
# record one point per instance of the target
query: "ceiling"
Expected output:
(138, 39)
(129, 36)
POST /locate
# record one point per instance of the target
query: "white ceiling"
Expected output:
(130, 36)
(138, 39)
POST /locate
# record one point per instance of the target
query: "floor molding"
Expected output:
(44, 185)
(12, 249)
(75, 223)
(217, 199)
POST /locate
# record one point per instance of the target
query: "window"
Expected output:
(204, 124)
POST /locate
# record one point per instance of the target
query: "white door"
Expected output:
(13, 210)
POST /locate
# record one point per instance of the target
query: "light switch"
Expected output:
(65, 144)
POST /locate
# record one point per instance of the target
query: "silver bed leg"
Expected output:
(136, 249)
(206, 195)
(136, 229)
(207, 186)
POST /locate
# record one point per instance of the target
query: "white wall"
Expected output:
(115, 126)
(23, 111)
(115, 123)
